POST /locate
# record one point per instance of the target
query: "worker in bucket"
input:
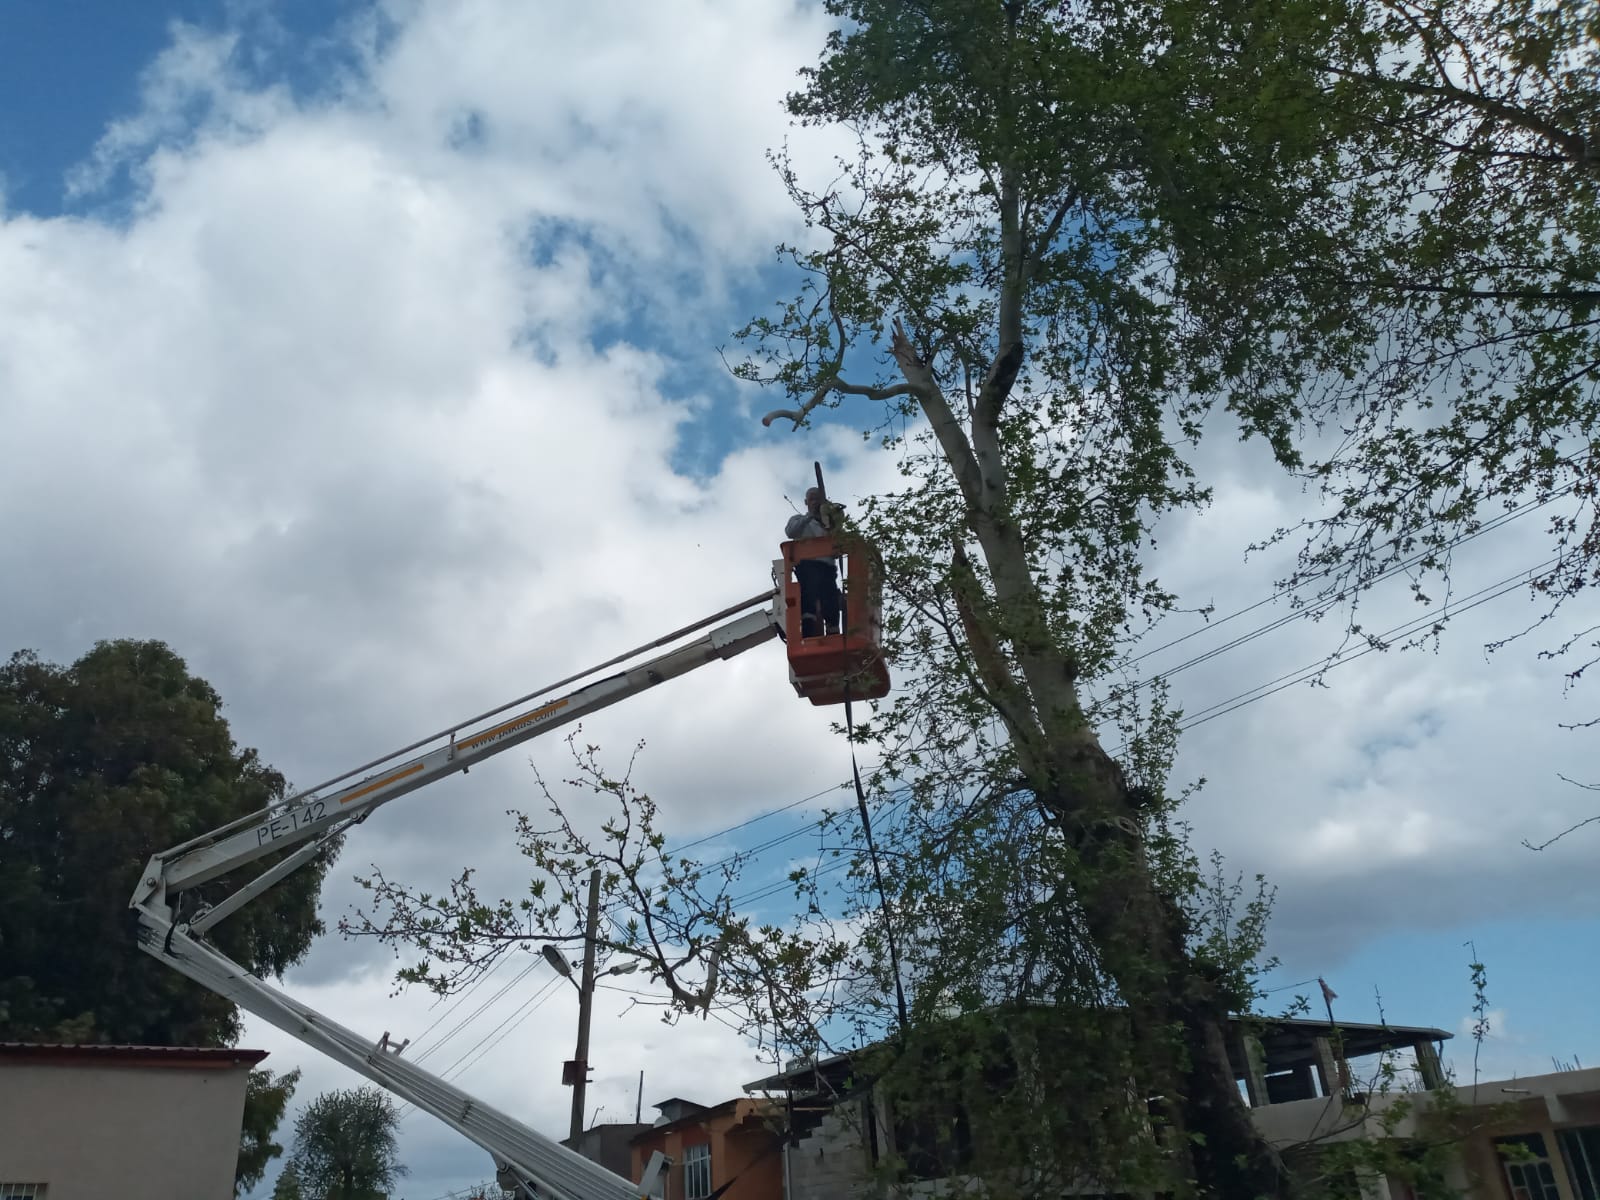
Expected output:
(820, 602)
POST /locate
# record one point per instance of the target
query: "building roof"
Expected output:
(85, 1054)
(741, 1109)
(822, 1068)
(1286, 1042)
(679, 1101)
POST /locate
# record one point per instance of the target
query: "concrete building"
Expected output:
(1309, 1086)
(133, 1122)
(843, 1131)
(738, 1142)
(1536, 1138)
(610, 1145)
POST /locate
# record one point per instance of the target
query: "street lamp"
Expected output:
(557, 960)
(563, 968)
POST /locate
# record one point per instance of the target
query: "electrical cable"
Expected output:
(513, 1018)
(1389, 572)
(759, 817)
(529, 1007)
(1496, 523)
(1260, 692)
(872, 853)
(1285, 987)
(1493, 592)
(1211, 712)
(1241, 700)
(479, 1011)
(461, 997)
(1271, 626)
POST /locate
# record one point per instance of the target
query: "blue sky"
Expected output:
(65, 71)
(68, 69)
(379, 425)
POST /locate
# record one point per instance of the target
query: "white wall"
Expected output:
(94, 1131)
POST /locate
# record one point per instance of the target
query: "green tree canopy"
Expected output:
(345, 1146)
(266, 1096)
(102, 764)
(287, 1186)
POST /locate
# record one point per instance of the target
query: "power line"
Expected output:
(477, 1012)
(1285, 987)
(1223, 707)
(462, 996)
(1389, 572)
(1405, 629)
(757, 849)
(759, 895)
(1260, 692)
(1271, 626)
(509, 1023)
(1211, 712)
(518, 1015)
(759, 817)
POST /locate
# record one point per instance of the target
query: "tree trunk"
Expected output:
(1141, 939)
(1141, 936)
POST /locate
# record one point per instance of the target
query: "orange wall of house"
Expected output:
(754, 1157)
(733, 1152)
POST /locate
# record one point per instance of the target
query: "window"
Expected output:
(1529, 1172)
(1581, 1149)
(21, 1191)
(696, 1172)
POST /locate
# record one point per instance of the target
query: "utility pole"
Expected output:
(580, 1073)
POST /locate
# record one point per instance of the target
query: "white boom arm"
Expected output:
(309, 820)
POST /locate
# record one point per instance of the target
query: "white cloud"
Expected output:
(352, 416)
(371, 407)
(1398, 795)
(193, 83)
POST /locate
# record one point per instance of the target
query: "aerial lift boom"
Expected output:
(303, 824)
(825, 668)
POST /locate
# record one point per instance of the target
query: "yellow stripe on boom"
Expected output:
(382, 783)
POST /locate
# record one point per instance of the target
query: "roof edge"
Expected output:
(130, 1055)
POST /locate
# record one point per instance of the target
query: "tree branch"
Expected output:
(1008, 358)
(946, 427)
(798, 415)
(1588, 787)
(1576, 148)
(1047, 236)
(1571, 295)
(1001, 686)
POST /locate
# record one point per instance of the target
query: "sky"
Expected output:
(368, 354)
